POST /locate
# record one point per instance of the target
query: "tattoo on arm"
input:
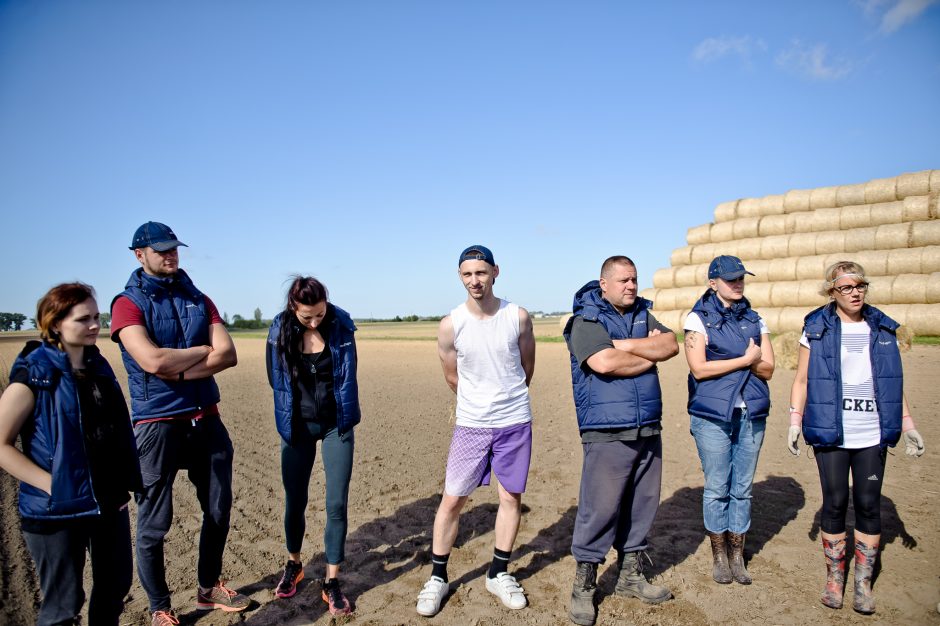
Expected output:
(690, 338)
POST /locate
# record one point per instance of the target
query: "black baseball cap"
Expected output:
(727, 267)
(155, 235)
(476, 253)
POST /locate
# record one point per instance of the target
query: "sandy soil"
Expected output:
(401, 448)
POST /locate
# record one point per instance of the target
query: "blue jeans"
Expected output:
(728, 451)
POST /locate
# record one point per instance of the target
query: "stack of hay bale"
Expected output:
(888, 225)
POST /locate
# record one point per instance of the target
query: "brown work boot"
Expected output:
(721, 570)
(865, 557)
(835, 572)
(582, 610)
(632, 581)
(738, 571)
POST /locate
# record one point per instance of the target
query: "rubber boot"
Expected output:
(865, 557)
(582, 610)
(736, 555)
(632, 581)
(721, 570)
(835, 572)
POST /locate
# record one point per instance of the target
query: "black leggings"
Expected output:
(868, 466)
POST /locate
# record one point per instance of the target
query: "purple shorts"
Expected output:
(476, 451)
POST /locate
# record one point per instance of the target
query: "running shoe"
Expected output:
(164, 618)
(334, 597)
(221, 597)
(430, 598)
(510, 592)
(293, 574)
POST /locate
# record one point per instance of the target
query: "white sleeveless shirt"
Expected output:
(491, 389)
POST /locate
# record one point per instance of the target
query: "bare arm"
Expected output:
(16, 405)
(764, 368)
(657, 347)
(702, 368)
(526, 345)
(163, 362)
(221, 357)
(798, 390)
(448, 352)
(614, 362)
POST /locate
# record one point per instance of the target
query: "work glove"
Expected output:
(793, 440)
(913, 443)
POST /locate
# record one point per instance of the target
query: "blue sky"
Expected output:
(367, 143)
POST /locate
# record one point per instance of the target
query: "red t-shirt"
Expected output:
(125, 313)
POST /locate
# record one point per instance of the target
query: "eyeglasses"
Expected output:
(847, 289)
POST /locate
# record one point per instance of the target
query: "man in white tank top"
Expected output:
(487, 350)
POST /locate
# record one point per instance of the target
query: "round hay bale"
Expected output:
(925, 233)
(829, 242)
(786, 349)
(933, 288)
(791, 319)
(691, 275)
(774, 247)
(909, 289)
(913, 184)
(698, 234)
(771, 205)
(681, 256)
(897, 312)
(726, 211)
(796, 200)
(893, 236)
(665, 278)
(859, 239)
(802, 244)
(930, 259)
(823, 198)
(811, 267)
(850, 194)
(686, 297)
(903, 261)
(728, 247)
(769, 315)
(875, 262)
(666, 299)
(933, 204)
(880, 290)
(855, 216)
(887, 213)
(563, 321)
(749, 207)
(703, 253)
(758, 293)
(916, 209)
(785, 294)
(759, 267)
(649, 294)
(781, 269)
(934, 180)
(772, 225)
(881, 190)
(905, 338)
(669, 319)
(924, 319)
(746, 227)
(809, 293)
(822, 220)
(722, 232)
(749, 249)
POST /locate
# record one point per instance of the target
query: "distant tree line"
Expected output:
(12, 321)
(237, 321)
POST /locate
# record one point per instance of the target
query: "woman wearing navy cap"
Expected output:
(730, 360)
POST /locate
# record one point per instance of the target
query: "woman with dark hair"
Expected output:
(78, 461)
(848, 399)
(311, 362)
(727, 345)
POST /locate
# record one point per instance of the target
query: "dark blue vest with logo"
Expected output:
(729, 329)
(613, 402)
(342, 345)
(822, 416)
(177, 317)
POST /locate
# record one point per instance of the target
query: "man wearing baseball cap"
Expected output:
(173, 341)
(487, 350)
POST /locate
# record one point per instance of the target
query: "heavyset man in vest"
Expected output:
(173, 342)
(487, 350)
(615, 344)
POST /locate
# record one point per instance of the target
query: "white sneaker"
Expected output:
(509, 591)
(430, 598)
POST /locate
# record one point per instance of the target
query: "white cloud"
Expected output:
(894, 13)
(715, 48)
(812, 61)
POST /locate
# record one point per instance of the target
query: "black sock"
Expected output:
(500, 562)
(439, 565)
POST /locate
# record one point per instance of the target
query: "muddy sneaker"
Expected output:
(221, 597)
(430, 598)
(164, 618)
(505, 587)
(334, 597)
(293, 574)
